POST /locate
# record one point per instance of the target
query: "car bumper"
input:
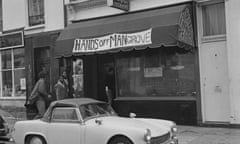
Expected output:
(4, 131)
(174, 140)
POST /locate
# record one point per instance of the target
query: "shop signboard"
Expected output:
(185, 31)
(113, 41)
(11, 40)
(119, 4)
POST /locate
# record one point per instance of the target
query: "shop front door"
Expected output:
(106, 77)
(214, 83)
(42, 63)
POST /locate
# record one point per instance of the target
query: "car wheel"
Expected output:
(36, 140)
(120, 140)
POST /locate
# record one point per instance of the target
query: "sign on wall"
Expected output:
(11, 40)
(185, 31)
(112, 41)
(119, 4)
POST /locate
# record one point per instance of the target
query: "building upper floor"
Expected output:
(87, 9)
(32, 16)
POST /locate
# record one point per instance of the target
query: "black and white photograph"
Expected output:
(119, 72)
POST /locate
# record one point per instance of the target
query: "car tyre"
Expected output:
(36, 140)
(120, 140)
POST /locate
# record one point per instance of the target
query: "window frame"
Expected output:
(210, 38)
(142, 54)
(12, 69)
(65, 120)
(28, 16)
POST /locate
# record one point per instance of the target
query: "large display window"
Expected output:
(12, 72)
(156, 73)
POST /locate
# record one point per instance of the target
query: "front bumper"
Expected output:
(4, 131)
(174, 140)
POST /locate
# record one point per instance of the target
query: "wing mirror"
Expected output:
(98, 121)
(132, 115)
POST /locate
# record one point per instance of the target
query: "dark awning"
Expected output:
(171, 26)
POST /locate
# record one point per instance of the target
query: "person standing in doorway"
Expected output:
(64, 75)
(109, 76)
(61, 87)
(109, 95)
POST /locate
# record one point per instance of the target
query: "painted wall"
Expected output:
(76, 13)
(15, 16)
(54, 10)
(233, 51)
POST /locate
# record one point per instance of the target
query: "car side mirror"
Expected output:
(98, 121)
(132, 115)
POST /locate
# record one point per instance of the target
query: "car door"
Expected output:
(65, 126)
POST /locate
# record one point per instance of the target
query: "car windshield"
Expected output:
(95, 110)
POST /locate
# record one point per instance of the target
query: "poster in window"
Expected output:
(152, 72)
(23, 83)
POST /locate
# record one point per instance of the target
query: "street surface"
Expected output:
(208, 135)
(201, 135)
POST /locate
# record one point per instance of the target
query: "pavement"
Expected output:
(208, 135)
(186, 134)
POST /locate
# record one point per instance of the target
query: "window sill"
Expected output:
(13, 98)
(215, 38)
(34, 27)
(172, 98)
(76, 2)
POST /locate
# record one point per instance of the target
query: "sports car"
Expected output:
(89, 121)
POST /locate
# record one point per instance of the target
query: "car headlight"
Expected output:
(174, 130)
(147, 136)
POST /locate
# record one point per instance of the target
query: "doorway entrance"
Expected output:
(42, 63)
(106, 76)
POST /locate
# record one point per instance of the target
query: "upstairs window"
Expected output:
(36, 12)
(214, 22)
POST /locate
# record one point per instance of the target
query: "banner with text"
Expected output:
(112, 41)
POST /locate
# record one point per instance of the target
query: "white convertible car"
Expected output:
(88, 121)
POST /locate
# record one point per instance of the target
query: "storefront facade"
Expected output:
(148, 59)
(12, 71)
(39, 49)
(28, 31)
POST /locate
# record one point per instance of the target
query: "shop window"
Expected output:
(78, 77)
(13, 82)
(213, 17)
(156, 73)
(36, 12)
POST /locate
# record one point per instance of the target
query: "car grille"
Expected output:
(160, 139)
